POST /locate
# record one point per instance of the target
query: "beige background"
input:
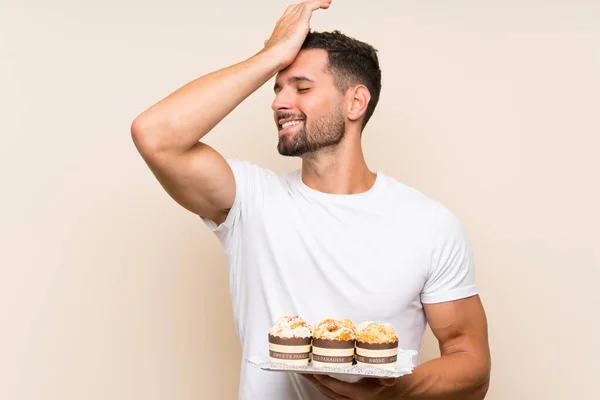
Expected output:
(109, 290)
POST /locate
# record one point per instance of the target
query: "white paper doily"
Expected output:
(350, 374)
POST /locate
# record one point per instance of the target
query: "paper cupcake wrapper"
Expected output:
(327, 351)
(384, 354)
(295, 341)
(289, 350)
(333, 344)
(317, 358)
(376, 360)
(377, 346)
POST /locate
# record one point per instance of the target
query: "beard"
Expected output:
(325, 131)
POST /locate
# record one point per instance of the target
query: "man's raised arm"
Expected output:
(167, 134)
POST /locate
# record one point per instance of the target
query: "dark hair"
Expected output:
(351, 62)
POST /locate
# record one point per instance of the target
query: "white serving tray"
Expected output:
(351, 374)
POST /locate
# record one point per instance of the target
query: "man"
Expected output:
(333, 240)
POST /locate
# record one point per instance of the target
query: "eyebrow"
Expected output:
(293, 79)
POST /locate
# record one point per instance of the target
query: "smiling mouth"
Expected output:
(290, 125)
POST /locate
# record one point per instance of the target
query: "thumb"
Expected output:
(386, 381)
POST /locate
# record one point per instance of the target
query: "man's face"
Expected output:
(308, 108)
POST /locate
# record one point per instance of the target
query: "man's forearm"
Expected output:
(181, 119)
(457, 376)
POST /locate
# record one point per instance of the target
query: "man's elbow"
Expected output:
(478, 383)
(150, 134)
(481, 391)
(143, 132)
(482, 384)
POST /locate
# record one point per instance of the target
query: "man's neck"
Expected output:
(338, 170)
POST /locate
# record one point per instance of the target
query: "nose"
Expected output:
(284, 100)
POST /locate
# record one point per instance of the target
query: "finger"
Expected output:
(337, 386)
(375, 385)
(367, 387)
(306, 9)
(290, 9)
(378, 381)
(324, 389)
(316, 4)
(388, 382)
(326, 4)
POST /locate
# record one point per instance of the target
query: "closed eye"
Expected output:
(303, 90)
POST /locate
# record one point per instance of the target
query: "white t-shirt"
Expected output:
(377, 255)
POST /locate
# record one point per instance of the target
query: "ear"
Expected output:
(358, 100)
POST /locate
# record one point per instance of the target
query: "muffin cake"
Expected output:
(376, 345)
(333, 343)
(344, 322)
(289, 341)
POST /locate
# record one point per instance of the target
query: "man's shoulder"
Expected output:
(399, 191)
(417, 201)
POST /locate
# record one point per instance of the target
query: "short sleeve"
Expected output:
(451, 275)
(248, 178)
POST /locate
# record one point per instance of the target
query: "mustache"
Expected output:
(288, 115)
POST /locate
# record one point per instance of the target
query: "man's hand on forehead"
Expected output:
(291, 30)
